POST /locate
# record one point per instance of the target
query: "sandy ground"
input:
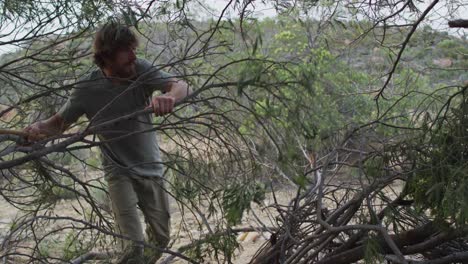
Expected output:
(249, 241)
(184, 226)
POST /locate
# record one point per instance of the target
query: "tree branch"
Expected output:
(458, 23)
(405, 42)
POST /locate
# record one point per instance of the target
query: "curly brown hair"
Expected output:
(109, 39)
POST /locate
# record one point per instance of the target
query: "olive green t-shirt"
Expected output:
(127, 146)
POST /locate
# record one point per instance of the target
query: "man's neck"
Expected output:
(112, 77)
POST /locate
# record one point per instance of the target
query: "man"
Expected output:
(124, 84)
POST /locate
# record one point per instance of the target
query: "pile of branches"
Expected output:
(399, 200)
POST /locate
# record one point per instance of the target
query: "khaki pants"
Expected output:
(126, 192)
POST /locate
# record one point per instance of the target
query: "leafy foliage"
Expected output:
(237, 199)
(440, 182)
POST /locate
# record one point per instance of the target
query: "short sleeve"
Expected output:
(153, 78)
(72, 109)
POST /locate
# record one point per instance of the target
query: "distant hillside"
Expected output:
(435, 55)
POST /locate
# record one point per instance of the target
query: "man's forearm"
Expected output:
(178, 90)
(58, 124)
(52, 126)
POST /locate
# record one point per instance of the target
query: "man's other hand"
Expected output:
(36, 132)
(42, 129)
(162, 104)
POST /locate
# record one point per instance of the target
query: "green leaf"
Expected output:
(372, 253)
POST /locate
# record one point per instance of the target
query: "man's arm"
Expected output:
(174, 91)
(52, 126)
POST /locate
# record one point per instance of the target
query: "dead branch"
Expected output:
(458, 23)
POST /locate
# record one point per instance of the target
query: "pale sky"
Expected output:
(438, 18)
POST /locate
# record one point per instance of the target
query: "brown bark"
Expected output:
(459, 23)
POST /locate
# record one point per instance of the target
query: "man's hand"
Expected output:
(36, 131)
(174, 91)
(46, 128)
(162, 104)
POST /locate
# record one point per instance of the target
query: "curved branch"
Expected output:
(405, 42)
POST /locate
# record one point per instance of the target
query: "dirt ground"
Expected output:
(249, 241)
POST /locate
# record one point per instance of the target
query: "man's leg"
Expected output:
(124, 205)
(153, 202)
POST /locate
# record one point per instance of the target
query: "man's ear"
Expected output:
(106, 67)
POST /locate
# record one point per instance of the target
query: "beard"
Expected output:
(127, 71)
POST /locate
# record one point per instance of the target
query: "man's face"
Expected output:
(122, 65)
